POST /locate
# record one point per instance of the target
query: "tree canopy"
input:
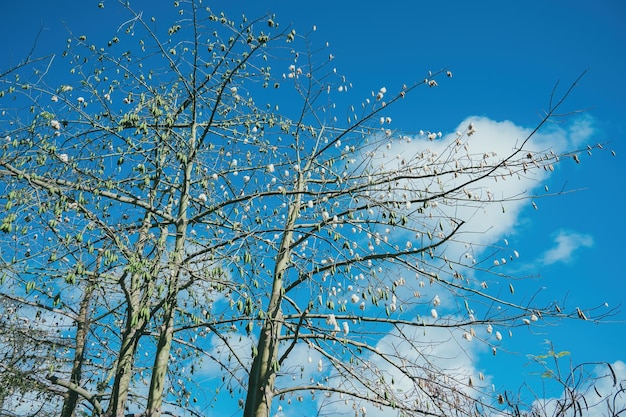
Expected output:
(193, 215)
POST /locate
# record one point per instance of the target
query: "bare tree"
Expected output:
(188, 202)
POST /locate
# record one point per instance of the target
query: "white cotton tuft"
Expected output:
(436, 301)
(471, 129)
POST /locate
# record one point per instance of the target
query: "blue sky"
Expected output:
(505, 58)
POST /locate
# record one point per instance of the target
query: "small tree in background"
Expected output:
(187, 219)
(588, 389)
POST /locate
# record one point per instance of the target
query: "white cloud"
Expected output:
(492, 141)
(581, 129)
(566, 243)
(229, 353)
(608, 388)
(492, 222)
(303, 361)
(440, 355)
(491, 207)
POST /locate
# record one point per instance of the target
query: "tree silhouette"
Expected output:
(188, 218)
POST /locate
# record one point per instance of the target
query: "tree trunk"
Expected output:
(161, 361)
(69, 405)
(263, 371)
(162, 358)
(265, 365)
(123, 374)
